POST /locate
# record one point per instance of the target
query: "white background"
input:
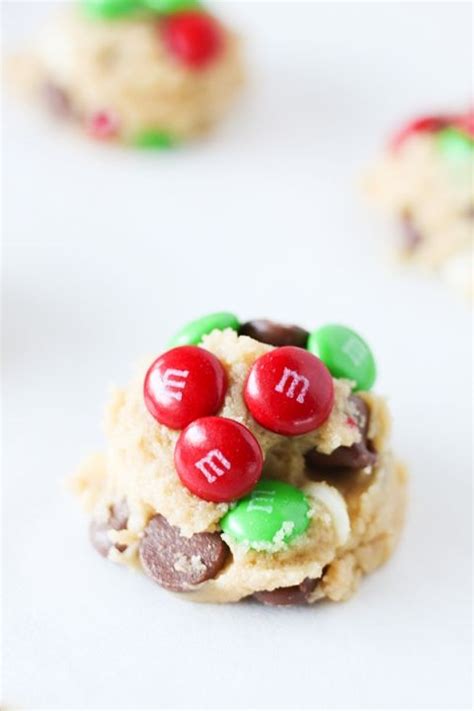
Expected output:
(108, 252)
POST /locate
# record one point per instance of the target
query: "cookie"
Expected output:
(425, 182)
(275, 480)
(147, 73)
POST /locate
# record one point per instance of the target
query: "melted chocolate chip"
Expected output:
(175, 562)
(294, 595)
(275, 334)
(412, 236)
(98, 530)
(57, 100)
(358, 456)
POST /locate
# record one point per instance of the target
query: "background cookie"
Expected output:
(148, 74)
(425, 181)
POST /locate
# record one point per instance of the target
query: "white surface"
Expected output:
(108, 252)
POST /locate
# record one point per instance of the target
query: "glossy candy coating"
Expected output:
(289, 391)
(183, 384)
(169, 7)
(273, 512)
(456, 144)
(194, 38)
(218, 459)
(424, 124)
(103, 125)
(345, 353)
(466, 123)
(153, 140)
(109, 9)
(192, 333)
(275, 334)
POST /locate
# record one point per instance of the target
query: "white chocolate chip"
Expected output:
(332, 500)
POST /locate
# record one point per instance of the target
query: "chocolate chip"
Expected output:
(275, 334)
(175, 562)
(57, 100)
(358, 456)
(294, 595)
(412, 236)
(98, 530)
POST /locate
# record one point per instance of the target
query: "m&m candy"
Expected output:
(289, 391)
(183, 384)
(218, 459)
(109, 9)
(456, 144)
(424, 124)
(103, 125)
(273, 513)
(168, 7)
(345, 353)
(465, 123)
(153, 139)
(193, 37)
(192, 333)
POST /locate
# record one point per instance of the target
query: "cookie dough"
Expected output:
(425, 181)
(281, 517)
(148, 73)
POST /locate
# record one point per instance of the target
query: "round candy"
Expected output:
(193, 332)
(194, 38)
(289, 391)
(110, 8)
(466, 123)
(455, 144)
(103, 125)
(154, 140)
(168, 7)
(273, 513)
(218, 459)
(183, 384)
(276, 334)
(425, 124)
(345, 353)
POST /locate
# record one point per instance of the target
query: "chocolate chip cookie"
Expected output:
(237, 469)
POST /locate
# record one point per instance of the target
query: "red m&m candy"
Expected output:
(103, 125)
(424, 124)
(289, 391)
(466, 123)
(192, 37)
(218, 459)
(182, 384)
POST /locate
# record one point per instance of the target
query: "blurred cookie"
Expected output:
(425, 181)
(147, 73)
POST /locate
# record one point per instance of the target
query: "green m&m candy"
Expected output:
(193, 333)
(169, 7)
(272, 514)
(109, 9)
(455, 144)
(154, 140)
(345, 354)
